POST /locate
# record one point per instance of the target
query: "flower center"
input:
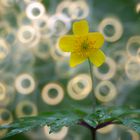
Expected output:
(83, 46)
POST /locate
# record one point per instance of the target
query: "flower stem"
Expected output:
(93, 130)
(91, 74)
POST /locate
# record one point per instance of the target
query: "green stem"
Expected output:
(91, 74)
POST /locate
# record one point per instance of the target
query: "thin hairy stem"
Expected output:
(91, 74)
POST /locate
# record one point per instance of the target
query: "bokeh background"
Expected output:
(35, 75)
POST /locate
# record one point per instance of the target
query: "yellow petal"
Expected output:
(97, 58)
(97, 39)
(80, 27)
(66, 43)
(76, 59)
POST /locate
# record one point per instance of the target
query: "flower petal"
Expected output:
(75, 59)
(97, 58)
(80, 27)
(97, 39)
(66, 43)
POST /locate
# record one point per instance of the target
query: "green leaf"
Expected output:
(99, 118)
(104, 114)
(91, 122)
(132, 124)
(55, 120)
(24, 125)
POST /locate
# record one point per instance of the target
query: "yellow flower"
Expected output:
(83, 45)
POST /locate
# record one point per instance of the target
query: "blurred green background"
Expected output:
(35, 75)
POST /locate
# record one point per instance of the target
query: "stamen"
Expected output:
(83, 46)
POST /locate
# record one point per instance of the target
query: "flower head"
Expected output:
(83, 45)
